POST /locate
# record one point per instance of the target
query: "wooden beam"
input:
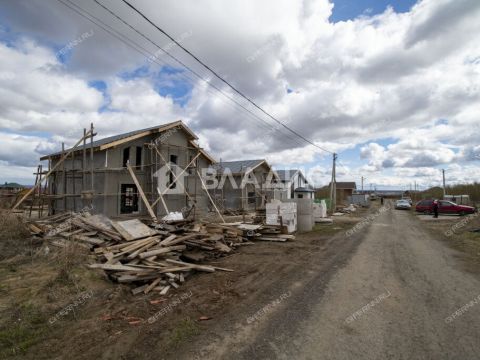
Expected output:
(142, 194)
(175, 177)
(62, 159)
(208, 194)
(163, 200)
(158, 189)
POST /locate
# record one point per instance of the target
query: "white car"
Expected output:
(403, 205)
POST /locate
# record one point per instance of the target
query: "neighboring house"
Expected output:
(292, 180)
(344, 190)
(10, 188)
(114, 192)
(257, 177)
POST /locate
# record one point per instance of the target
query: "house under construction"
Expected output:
(237, 192)
(151, 171)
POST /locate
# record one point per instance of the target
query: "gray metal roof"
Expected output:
(303, 189)
(114, 138)
(237, 167)
(346, 185)
(286, 175)
(11, 185)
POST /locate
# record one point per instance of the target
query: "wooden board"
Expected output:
(133, 229)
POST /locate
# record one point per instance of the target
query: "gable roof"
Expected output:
(115, 140)
(204, 153)
(240, 166)
(346, 185)
(286, 175)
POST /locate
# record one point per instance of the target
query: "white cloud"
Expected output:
(383, 76)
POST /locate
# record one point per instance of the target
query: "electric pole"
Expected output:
(443, 176)
(333, 186)
(415, 191)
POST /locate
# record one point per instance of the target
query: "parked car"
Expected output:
(444, 207)
(402, 205)
(409, 199)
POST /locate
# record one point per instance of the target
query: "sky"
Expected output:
(391, 86)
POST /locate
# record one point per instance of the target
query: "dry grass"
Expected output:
(473, 190)
(461, 239)
(15, 238)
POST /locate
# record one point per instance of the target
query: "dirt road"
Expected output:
(389, 293)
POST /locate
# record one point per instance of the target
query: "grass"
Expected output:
(462, 239)
(473, 190)
(182, 332)
(327, 229)
(14, 235)
(25, 327)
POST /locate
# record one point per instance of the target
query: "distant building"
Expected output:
(244, 184)
(344, 190)
(293, 180)
(10, 188)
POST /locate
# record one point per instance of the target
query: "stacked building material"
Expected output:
(153, 257)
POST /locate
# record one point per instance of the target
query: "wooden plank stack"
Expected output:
(154, 257)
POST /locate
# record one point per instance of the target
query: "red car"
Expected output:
(444, 207)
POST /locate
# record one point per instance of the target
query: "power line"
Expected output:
(192, 71)
(219, 77)
(129, 42)
(134, 45)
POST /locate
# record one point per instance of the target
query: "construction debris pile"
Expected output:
(157, 257)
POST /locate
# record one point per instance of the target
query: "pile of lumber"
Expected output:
(153, 257)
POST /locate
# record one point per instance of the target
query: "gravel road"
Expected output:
(392, 298)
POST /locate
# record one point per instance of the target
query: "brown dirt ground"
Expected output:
(461, 238)
(36, 284)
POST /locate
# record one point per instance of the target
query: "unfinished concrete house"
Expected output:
(122, 175)
(294, 183)
(244, 185)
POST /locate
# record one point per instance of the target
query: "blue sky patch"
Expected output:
(351, 9)
(170, 82)
(140, 72)
(101, 86)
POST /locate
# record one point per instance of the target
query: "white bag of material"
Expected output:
(173, 216)
(323, 209)
(351, 208)
(319, 210)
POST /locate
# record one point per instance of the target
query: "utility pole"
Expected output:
(415, 191)
(443, 176)
(333, 186)
(362, 183)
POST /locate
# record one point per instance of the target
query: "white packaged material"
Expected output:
(319, 210)
(173, 216)
(286, 211)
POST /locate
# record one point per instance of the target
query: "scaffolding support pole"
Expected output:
(175, 178)
(84, 161)
(208, 194)
(64, 177)
(142, 194)
(60, 162)
(73, 181)
(91, 155)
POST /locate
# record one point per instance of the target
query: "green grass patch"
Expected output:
(27, 326)
(183, 331)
